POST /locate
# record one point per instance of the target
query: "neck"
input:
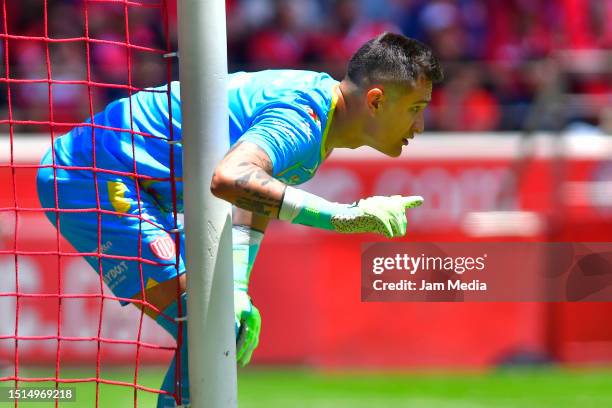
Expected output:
(346, 128)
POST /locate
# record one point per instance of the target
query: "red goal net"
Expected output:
(60, 326)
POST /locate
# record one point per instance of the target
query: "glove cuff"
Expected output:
(301, 207)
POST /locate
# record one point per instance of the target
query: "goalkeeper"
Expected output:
(113, 188)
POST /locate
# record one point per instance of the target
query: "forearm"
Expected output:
(258, 192)
(255, 191)
(244, 179)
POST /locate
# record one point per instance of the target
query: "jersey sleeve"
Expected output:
(289, 136)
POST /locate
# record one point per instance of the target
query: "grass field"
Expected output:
(296, 388)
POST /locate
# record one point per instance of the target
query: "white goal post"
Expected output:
(208, 226)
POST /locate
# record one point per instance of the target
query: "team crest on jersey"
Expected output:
(163, 247)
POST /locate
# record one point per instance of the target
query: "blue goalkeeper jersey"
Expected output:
(285, 112)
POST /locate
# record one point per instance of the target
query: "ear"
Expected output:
(375, 99)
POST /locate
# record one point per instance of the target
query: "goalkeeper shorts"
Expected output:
(132, 240)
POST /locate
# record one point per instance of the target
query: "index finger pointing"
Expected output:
(412, 201)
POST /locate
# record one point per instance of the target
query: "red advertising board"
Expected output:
(307, 282)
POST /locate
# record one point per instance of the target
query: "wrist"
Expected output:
(301, 207)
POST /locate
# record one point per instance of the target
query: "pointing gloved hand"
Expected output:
(384, 215)
(379, 214)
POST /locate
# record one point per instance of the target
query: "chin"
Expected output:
(391, 152)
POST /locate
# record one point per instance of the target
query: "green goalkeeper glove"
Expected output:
(248, 325)
(379, 214)
(247, 320)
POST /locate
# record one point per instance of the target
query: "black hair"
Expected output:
(393, 58)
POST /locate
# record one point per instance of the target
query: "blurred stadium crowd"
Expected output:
(497, 53)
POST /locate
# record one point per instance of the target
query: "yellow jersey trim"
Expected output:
(330, 119)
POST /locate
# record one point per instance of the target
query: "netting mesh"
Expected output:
(63, 61)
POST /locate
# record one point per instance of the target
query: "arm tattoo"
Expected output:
(254, 188)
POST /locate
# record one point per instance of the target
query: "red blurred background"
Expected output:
(306, 282)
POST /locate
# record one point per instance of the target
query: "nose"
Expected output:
(419, 123)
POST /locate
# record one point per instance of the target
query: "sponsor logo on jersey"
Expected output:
(163, 247)
(116, 275)
(105, 247)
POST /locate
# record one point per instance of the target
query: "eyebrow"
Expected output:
(423, 101)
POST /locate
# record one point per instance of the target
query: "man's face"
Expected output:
(396, 115)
